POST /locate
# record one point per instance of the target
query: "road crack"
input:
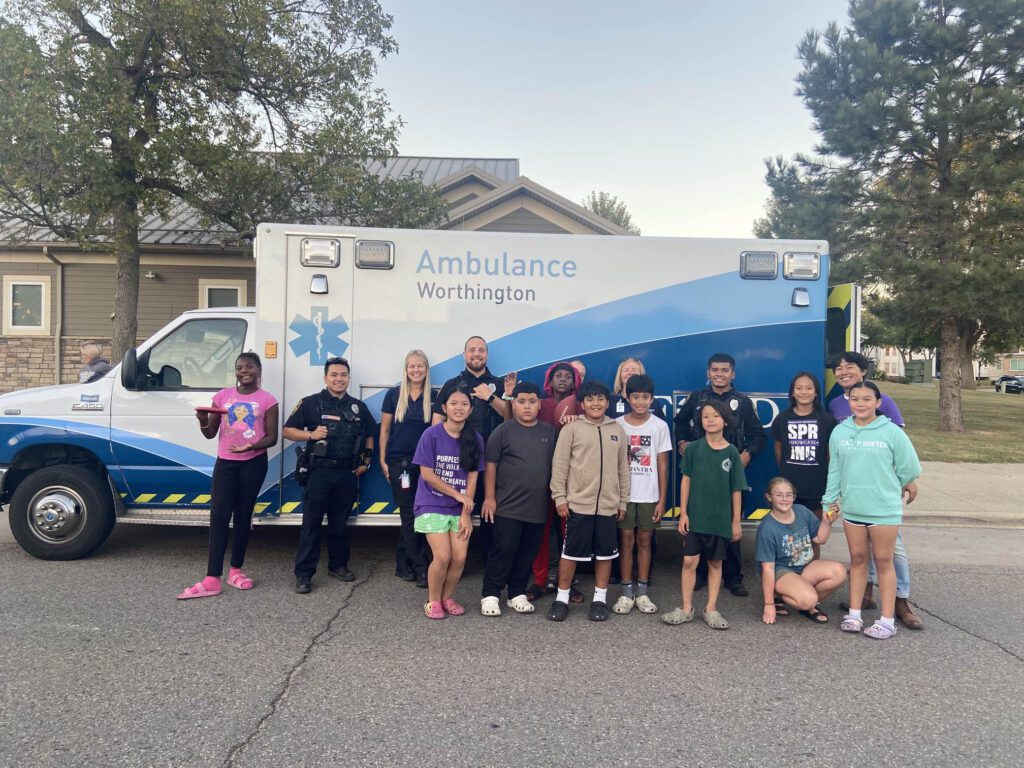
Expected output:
(966, 631)
(322, 636)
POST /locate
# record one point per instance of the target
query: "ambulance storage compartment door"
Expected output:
(319, 325)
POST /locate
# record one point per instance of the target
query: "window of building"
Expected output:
(26, 305)
(1017, 364)
(223, 293)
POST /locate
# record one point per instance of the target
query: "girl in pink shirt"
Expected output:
(246, 429)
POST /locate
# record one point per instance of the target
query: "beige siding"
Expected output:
(522, 220)
(89, 295)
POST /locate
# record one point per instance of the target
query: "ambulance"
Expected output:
(75, 459)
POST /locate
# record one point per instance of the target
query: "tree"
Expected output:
(925, 100)
(888, 323)
(812, 199)
(610, 207)
(246, 110)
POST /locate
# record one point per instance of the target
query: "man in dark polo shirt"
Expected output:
(490, 407)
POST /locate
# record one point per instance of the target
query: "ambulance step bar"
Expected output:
(201, 517)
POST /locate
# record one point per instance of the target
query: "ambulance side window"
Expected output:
(199, 354)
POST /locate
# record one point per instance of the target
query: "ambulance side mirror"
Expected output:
(130, 370)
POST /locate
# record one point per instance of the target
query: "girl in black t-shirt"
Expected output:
(801, 434)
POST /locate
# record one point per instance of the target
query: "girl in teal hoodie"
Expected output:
(872, 465)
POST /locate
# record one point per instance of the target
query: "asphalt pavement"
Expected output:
(101, 666)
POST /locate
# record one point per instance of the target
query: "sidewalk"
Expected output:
(969, 494)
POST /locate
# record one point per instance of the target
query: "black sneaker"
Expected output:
(303, 585)
(405, 575)
(421, 580)
(598, 611)
(558, 611)
(342, 574)
(737, 589)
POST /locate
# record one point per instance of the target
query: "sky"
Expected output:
(670, 106)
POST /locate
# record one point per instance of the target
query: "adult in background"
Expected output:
(744, 432)
(94, 364)
(850, 369)
(618, 404)
(338, 431)
(404, 416)
(490, 406)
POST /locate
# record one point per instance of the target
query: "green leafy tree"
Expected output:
(924, 99)
(611, 208)
(886, 322)
(245, 110)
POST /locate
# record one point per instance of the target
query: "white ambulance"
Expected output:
(75, 459)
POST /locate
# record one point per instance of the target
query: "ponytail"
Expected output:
(469, 451)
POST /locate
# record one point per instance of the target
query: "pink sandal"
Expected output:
(240, 581)
(197, 590)
(433, 610)
(452, 608)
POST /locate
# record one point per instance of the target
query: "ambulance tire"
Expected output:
(62, 513)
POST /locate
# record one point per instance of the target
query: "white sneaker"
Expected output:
(521, 604)
(623, 604)
(490, 606)
(644, 605)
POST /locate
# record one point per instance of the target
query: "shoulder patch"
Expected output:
(295, 410)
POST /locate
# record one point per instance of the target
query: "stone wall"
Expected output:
(28, 362)
(71, 357)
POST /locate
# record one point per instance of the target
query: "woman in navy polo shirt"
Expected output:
(404, 416)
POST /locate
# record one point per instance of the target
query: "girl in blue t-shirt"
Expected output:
(450, 455)
(784, 550)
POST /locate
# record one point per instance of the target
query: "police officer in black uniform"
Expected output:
(338, 431)
(745, 433)
(491, 406)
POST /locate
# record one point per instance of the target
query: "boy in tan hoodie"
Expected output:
(590, 487)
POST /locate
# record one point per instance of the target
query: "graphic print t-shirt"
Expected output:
(439, 451)
(645, 443)
(788, 546)
(244, 422)
(804, 441)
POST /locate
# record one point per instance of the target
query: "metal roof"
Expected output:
(433, 169)
(182, 226)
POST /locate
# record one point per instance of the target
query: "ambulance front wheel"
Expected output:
(62, 512)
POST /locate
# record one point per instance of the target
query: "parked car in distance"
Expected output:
(1013, 385)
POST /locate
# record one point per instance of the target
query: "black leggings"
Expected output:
(236, 484)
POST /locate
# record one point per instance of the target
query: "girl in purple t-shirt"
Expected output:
(449, 455)
(246, 425)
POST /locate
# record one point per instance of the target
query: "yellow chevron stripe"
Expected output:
(671, 513)
(377, 508)
(757, 514)
(144, 497)
(289, 507)
(261, 507)
(203, 498)
(174, 498)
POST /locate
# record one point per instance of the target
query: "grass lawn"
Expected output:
(994, 424)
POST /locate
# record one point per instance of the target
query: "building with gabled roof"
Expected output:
(57, 296)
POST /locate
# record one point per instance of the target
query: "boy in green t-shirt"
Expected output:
(709, 511)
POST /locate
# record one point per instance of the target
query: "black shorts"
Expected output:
(707, 545)
(591, 536)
